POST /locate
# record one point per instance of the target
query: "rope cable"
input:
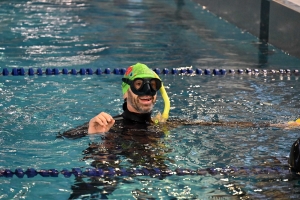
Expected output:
(121, 71)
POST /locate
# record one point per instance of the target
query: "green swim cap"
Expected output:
(138, 70)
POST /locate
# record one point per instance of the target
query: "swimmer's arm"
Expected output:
(227, 124)
(95, 125)
(182, 122)
(101, 123)
(74, 133)
(288, 125)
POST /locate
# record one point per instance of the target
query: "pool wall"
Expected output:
(276, 22)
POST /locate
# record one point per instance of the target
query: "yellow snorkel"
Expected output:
(165, 115)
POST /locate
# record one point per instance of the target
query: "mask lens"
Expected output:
(155, 84)
(138, 83)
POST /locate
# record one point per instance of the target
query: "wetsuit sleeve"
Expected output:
(74, 133)
(80, 131)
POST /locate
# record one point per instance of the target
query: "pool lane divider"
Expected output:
(121, 71)
(154, 172)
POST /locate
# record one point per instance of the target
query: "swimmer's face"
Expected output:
(139, 104)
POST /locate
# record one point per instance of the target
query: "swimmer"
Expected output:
(129, 135)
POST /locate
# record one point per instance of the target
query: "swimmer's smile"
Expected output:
(146, 100)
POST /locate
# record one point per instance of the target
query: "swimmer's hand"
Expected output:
(101, 123)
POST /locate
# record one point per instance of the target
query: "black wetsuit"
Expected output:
(132, 141)
(124, 122)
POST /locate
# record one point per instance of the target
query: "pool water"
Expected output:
(163, 34)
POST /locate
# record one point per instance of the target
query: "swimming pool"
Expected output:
(116, 34)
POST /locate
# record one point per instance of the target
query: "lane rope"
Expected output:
(121, 71)
(111, 172)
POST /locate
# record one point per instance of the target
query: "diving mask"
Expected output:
(144, 86)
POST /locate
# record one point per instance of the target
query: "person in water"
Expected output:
(139, 87)
(133, 128)
(130, 139)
